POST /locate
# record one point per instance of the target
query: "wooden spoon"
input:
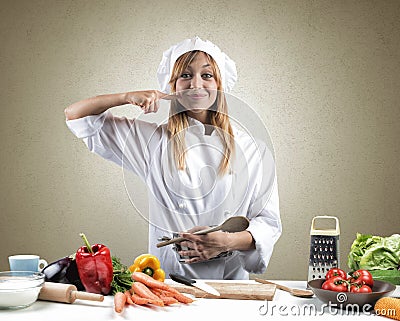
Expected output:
(232, 224)
(295, 292)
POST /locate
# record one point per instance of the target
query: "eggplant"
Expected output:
(64, 270)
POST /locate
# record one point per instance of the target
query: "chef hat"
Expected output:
(226, 65)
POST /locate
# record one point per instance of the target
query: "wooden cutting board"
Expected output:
(239, 291)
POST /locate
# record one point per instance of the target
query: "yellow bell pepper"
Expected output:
(150, 265)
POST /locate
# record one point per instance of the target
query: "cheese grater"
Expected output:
(324, 248)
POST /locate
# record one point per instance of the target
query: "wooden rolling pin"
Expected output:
(66, 293)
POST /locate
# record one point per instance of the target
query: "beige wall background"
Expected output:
(323, 75)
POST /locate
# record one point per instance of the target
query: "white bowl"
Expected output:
(19, 289)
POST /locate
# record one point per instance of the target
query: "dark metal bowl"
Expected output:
(343, 299)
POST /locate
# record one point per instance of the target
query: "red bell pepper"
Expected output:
(95, 267)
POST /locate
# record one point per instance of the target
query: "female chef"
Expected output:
(198, 167)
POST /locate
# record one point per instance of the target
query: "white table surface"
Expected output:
(283, 306)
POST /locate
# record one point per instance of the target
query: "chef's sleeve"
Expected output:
(126, 142)
(265, 223)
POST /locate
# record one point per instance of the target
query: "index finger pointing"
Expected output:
(167, 96)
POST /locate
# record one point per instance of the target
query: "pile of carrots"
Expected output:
(146, 290)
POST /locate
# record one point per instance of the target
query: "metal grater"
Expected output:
(324, 248)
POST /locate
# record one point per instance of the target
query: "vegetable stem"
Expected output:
(83, 236)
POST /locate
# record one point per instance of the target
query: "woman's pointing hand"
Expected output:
(147, 100)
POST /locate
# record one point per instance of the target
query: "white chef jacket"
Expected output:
(196, 196)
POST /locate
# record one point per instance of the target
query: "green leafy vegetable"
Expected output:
(122, 280)
(392, 276)
(375, 253)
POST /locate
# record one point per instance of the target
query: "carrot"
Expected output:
(167, 300)
(139, 300)
(181, 298)
(143, 291)
(166, 293)
(128, 297)
(174, 293)
(149, 281)
(157, 292)
(119, 302)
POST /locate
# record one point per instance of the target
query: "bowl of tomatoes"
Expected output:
(339, 289)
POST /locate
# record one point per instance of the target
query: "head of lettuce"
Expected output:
(380, 255)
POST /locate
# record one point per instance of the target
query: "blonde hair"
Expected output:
(178, 119)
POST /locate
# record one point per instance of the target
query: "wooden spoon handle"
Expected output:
(180, 239)
(281, 287)
(207, 230)
(171, 241)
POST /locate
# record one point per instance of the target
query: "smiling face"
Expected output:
(197, 84)
(198, 74)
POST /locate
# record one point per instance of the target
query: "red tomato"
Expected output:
(336, 283)
(362, 277)
(336, 272)
(360, 289)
